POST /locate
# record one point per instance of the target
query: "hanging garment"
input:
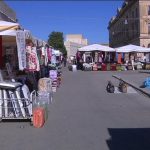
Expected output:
(32, 60)
(53, 59)
(100, 59)
(46, 57)
(20, 40)
(48, 53)
(119, 58)
(43, 51)
(26, 95)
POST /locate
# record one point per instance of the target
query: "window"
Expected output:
(137, 28)
(148, 10)
(132, 27)
(148, 28)
(126, 21)
(136, 13)
(132, 14)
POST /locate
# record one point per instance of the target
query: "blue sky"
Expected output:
(89, 18)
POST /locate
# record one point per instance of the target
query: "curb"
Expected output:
(143, 91)
(146, 71)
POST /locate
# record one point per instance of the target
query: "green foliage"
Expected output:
(56, 40)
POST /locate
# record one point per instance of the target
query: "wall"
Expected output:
(72, 48)
(6, 13)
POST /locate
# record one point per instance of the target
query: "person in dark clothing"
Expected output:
(81, 64)
(65, 61)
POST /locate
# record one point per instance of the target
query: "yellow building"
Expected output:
(131, 25)
(73, 42)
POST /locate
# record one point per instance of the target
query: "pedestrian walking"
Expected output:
(65, 61)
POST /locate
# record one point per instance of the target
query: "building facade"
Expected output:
(131, 25)
(6, 13)
(73, 42)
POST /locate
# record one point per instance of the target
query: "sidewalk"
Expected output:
(135, 80)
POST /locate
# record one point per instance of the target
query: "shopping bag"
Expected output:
(123, 87)
(38, 117)
(110, 87)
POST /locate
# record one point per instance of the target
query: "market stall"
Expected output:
(96, 55)
(26, 88)
(7, 33)
(132, 56)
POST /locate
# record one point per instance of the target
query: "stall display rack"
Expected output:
(12, 108)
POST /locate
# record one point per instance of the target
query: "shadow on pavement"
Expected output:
(129, 139)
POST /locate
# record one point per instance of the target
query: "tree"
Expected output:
(56, 40)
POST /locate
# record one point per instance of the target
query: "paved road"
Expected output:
(84, 116)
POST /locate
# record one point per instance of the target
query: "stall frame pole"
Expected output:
(1, 53)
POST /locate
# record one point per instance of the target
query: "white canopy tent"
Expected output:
(96, 47)
(132, 48)
(8, 28)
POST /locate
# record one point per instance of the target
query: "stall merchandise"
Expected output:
(113, 67)
(104, 67)
(32, 59)
(122, 87)
(110, 87)
(70, 67)
(74, 68)
(99, 67)
(45, 85)
(108, 67)
(139, 66)
(20, 40)
(147, 82)
(118, 67)
(147, 66)
(130, 67)
(87, 67)
(38, 117)
(53, 77)
(95, 67)
(15, 102)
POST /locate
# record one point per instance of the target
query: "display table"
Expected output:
(95, 68)
(108, 67)
(113, 67)
(118, 67)
(129, 67)
(104, 67)
(87, 67)
(99, 66)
